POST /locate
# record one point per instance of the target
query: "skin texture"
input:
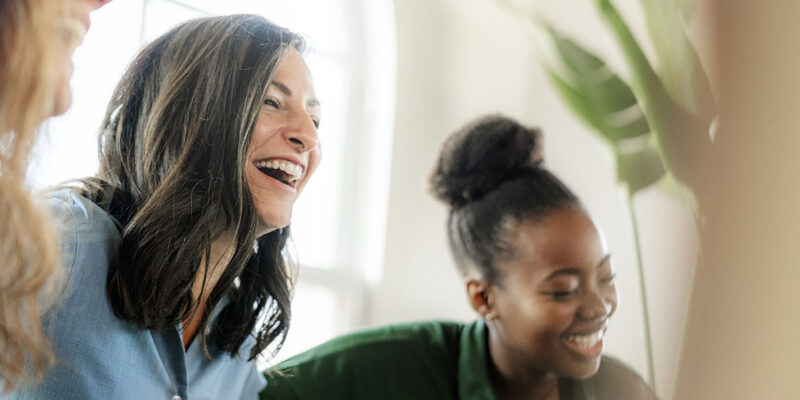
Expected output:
(558, 283)
(73, 28)
(286, 130)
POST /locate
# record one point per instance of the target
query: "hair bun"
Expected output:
(482, 155)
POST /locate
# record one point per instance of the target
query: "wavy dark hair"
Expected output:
(173, 151)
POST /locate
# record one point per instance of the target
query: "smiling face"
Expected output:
(284, 149)
(71, 29)
(550, 311)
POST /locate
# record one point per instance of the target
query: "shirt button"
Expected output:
(176, 397)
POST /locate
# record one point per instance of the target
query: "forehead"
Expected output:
(293, 72)
(562, 238)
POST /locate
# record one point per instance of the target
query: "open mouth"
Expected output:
(586, 341)
(283, 171)
(589, 345)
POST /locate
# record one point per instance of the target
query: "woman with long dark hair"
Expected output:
(176, 249)
(536, 270)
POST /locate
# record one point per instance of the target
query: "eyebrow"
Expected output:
(576, 271)
(285, 89)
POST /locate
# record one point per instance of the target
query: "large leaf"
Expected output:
(611, 126)
(677, 62)
(682, 137)
(639, 168)
(594, 91)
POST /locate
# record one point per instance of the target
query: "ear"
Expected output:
(481, 296)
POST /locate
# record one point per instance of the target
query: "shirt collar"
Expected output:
(473, 367)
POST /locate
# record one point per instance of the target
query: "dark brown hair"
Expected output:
(490, 174)
(173, 151)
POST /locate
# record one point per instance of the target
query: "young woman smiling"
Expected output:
(177, 277)
(536, 269)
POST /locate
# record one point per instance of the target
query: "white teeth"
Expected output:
(296, 171)
(587, 341)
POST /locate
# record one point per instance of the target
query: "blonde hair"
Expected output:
(28, 246)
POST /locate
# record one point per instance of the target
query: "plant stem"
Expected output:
(648, 337)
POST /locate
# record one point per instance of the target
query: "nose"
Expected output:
(597, 306)
(303, 135)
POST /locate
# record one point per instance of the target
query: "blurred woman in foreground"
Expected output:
(37, 39)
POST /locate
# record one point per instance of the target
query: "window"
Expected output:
(338, 221)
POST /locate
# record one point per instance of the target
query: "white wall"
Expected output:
(458, 59)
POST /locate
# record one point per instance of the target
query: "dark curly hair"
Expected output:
(490, 174)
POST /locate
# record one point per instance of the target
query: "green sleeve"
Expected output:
(412, 361)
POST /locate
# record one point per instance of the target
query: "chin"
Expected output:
(61, 105)
(271, 222)
(62, 97)
(585, 371)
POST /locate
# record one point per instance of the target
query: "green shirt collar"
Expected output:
(473, 370)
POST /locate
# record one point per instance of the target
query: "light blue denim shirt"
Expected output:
(100, 356)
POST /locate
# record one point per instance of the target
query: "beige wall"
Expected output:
(458, 59)
(742, 338)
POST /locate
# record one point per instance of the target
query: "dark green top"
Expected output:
(427, 360)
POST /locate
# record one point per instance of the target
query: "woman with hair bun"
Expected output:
(536, 269)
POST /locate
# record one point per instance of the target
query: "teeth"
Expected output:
(295, 171)
(587, 341)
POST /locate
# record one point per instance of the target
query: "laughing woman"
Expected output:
(175, 251)
(537, 271)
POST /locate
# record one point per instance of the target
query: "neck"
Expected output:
(513, 378)
(204, 283)
(219, 257)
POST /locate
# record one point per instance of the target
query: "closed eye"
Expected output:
(269, 101)
(609, 279)
(561, 295)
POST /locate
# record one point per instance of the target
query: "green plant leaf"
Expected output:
(599, 96)
(639, 168)
(682, 137)
(576, 100)
(678, 65)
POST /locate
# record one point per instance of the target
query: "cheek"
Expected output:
(264, 133)
(558, 317)
(252, 187)
(612, 299)
(542, 318)
(537, 332)
(313, 162)
(250, 181)
(258, 137)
